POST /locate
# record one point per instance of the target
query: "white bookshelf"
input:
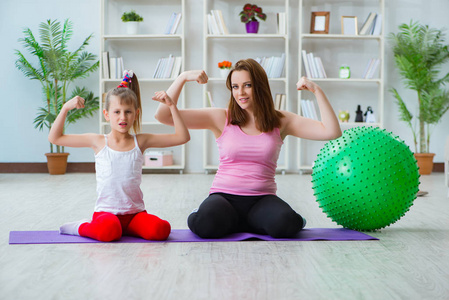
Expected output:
(336, 49)
(239, 45)
(141, 53)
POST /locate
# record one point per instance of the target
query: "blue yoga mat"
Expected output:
(185, 235)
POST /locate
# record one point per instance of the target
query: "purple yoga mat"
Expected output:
(185, 235)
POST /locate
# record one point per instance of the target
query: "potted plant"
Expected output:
(224, 67)
(56, 68)
(132, 20)
(248, 16)
(419, 52)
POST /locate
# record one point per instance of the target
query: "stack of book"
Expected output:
(273, 66)
(113, 67)
(313, 65)
(308, 109)
(280, 102)
(168, 67)
(216, 24)
(371, 68)
(173, 23)
(372, 25)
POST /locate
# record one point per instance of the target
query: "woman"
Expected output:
(249, 135)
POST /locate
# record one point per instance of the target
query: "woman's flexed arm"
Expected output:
(163, 113)
(326, 129)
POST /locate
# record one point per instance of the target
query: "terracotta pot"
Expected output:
(57, 163)
(425, 162)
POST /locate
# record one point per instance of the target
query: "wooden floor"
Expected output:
(410, 261)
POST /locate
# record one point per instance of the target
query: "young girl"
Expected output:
(118, 162)
(249, 135)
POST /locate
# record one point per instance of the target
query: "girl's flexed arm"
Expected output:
(181, 134)
(57, 136)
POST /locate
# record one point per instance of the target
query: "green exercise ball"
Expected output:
(366, 179)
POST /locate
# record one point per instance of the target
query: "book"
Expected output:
(220, 20)
(281, 23)
(170, 23)
(169, 66)
(113, 67)
(321, 67)
(209, 99)
(312, 109)
(176, 67)
(373, 68)
(306, 64)
(277, 102)
(177, 21)
(212, 24)
(367, 25)
(367, 68)
(304, 109)
(157, 68)
(105, 60)
(283, 104)
(378, 25)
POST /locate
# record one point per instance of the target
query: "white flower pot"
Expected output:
(132, 28)
(224, 73)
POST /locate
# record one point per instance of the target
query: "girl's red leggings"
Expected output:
(106, 227)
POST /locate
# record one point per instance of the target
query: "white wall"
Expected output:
(21, 97)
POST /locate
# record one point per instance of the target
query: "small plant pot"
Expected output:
(132, 28)
(252, 27)
(425, 162)
(224, 73)
(57, 163)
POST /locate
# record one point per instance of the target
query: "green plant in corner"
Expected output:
(419, 52)
(250, 12)
(131, 16)
(56, 68)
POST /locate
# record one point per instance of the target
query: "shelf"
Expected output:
(346, 80)
(340, 36)
(142, 36)
(141, 52)
(335, 50)
(246, 36)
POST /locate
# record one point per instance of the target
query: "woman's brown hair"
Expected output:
(129, 95)
(266, 117)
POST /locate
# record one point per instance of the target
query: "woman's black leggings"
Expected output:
(221, 214)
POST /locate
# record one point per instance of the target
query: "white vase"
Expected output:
(224, 73)
(132, 27)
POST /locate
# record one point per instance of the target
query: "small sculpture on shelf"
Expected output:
(358, 114)
(343, 116)
(369, 115)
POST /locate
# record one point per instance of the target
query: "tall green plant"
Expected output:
(419, 53)
(55, 67)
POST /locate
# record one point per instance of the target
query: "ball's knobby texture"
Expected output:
(366, 179)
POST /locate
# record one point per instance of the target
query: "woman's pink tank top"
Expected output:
(247, 162)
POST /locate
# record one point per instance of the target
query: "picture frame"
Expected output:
(319, 23)
(349, 25)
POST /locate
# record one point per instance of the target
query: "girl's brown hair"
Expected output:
(129, 95)
(266, 117)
